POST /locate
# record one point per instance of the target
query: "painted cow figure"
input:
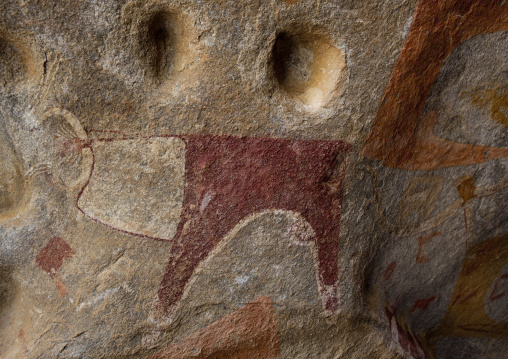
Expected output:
(229, 178)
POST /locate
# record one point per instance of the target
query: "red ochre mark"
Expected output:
(291, 1)
(68, 145)
(422, 304)
(422, 258)
(51, 257)
(402, 137)
(407, 341)
(389, 270)
(250, 332)
(493, 296)
(21, 336)
(248, 175)
(22, 339)
(60, 286)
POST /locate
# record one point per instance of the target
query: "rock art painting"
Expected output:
(126, 200)
(433, 200)
(51, 258)
(225, 179)
(435, 250)
(403, 339)
(228, 178)
(476, 288)
(66, 164)
(250, 332)
(254, 179)
(402, 136)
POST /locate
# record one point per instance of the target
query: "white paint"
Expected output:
(206, 200)
(407, 26)
(242, 279)
(30, 119)
(100, 297)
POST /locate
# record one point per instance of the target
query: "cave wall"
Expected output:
(253, 179)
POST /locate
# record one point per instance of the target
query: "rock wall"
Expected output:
(253, 179)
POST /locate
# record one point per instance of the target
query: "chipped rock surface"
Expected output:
(253, 179)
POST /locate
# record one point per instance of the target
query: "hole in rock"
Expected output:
(307, 67)
(165, 44)
(162, 44)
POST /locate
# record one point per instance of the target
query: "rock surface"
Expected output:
(253, 179)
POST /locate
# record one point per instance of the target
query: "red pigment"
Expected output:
(402, 136)
(51, 257)
(494, 295)
(422, 304)
(228, 178)
(389, 270)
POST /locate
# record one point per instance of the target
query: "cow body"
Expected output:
(230, 178)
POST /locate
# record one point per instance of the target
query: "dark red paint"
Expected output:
(51, 257)
(389, 270)
(241, 176)
(405, 338)
(493, 296)
(422, 304)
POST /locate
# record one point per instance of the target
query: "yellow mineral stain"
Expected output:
(466, 314)
(466, 188)
(493, 99)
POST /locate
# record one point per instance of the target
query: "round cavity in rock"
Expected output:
(164, 44)
(307, 67)
(161, 37)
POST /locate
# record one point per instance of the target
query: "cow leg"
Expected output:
(186, 255)
(327, 246)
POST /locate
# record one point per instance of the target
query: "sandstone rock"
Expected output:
(267, 179)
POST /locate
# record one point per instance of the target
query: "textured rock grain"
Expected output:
(253, 179)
